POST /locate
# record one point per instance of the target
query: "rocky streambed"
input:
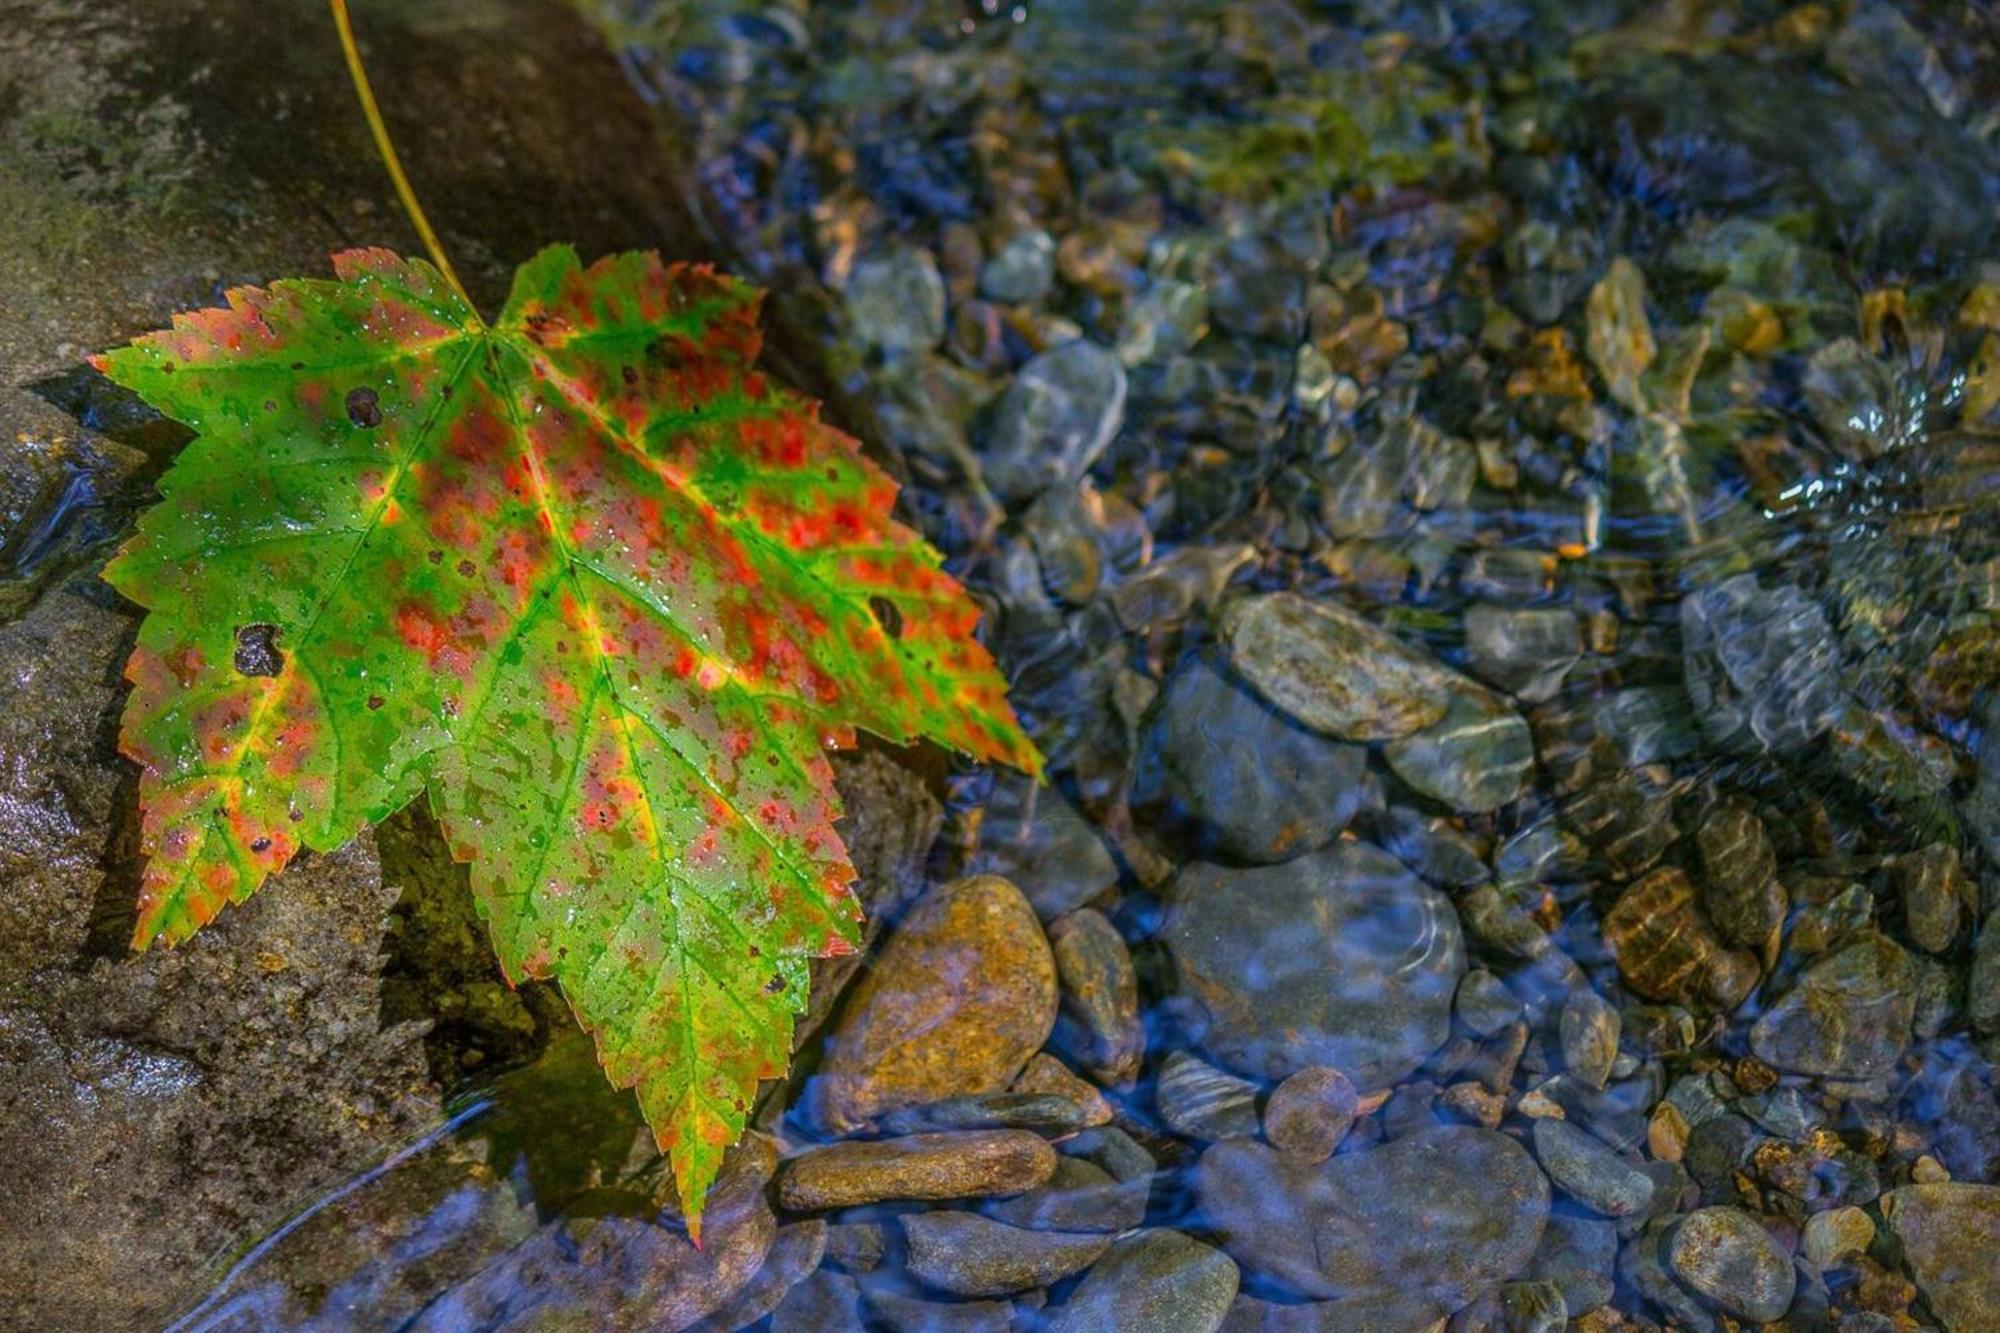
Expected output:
(1490, 512)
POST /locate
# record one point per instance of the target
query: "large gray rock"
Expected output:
(1950, 1233)
(1248, 782)
(1341, 958)
(1847, 1018)
(1152, 1282)
(969, 1255)
(1054, 419)
(154, 1105)
(1443, 1215)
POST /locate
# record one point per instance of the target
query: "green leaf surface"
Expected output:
(584, 577)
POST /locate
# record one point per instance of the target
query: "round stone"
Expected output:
(1727, 1257)
(1310, 1112)
(1341, 958)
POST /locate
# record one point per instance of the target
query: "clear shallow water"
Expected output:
(1483, 507)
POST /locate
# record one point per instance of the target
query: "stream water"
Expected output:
(1492, 513)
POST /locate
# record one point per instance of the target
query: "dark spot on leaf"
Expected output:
(298, 365)
(445, 393)
(888, 615)
(466, 569)
(435, 556)
(260, 845)
(374, 702)
(363, 409)
(774, 985)
(270, 405)
(295, 814)
(756, 952)
(257, 650)
(631, 376)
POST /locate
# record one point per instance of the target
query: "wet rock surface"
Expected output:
(1443, 1214)
(1847, 1018)
(1487, 451)
(1948, 1232)
(1341, 958)
(920, 1166)
(1252, 784)
(1723, 1254)
(963, 992)
(1333, 670)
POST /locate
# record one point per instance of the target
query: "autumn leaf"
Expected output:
(586, 579)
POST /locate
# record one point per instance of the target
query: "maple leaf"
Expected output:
(585, 578)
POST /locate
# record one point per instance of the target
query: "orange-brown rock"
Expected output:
(1666, 949)
(963, 993)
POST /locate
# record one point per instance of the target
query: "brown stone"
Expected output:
(1045, 1073)
(1100, 995)
(960, 1165)
(1310, 1112)
(963, 994)
(1666, 949)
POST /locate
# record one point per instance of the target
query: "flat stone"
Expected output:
(1045, 1113)
(1950, 1234)
(1442, 1214)
(1199, 1101)
(856, 1247)
(1588, 1171)
(1034, 837)
(1836, 1234)
(1727, 1257)
(972, 1164)
(1484, 1004)
(896, 300)
(1848, 1017)
(1046, 1074)
(1474, 759)
(1118, 1153)
(969, 1255)
(1934, 889)
(1080, 1196)
(1341, 958)
(1155, 1281)
(961, 995)
(1022, 270)
(1334, 670)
